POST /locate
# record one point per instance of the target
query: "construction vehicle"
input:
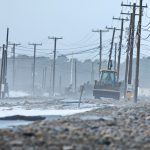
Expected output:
(107, 86)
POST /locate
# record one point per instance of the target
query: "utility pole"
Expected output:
(7, 40)
(111, 48)
(71, 72)
(54, 61)
(100, 52)
(34, 63)
(138, 51)
(132, 44)
(3, 79)
(44, 78)
(92, 74)
(126, 73)
(127, 57)
(50, 77)
(131, 48)
(120, 43)
(14, 57)
(3, 73)
(60, 84)
(115, 61)
(1, 50)
(138, 45)
(75, 71)
(6, 55)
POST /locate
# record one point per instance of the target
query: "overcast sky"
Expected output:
(35, 20)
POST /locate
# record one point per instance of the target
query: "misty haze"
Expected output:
(74, 75)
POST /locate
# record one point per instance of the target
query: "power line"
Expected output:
(81, 52)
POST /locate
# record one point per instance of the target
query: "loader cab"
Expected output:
(108, 86)
(108, 77)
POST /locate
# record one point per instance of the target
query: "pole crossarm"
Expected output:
(53, 38)
(35, 44)
(130, 5)
(112, 28)
(128, 13)
(14, 44)
(98, 30)
(121, 19)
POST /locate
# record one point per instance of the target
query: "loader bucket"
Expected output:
(99, 93)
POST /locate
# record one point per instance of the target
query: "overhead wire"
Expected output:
(80, 52)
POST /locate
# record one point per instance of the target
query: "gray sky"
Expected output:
(35, 20)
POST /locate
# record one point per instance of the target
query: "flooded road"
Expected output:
(51, 109)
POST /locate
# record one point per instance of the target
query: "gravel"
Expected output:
(123, 126)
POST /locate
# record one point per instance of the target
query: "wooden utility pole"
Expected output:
(43, 75)
(138, 51)
(131, 48)
(126, 73)
(34, 63)
(1, 49)
(54, 61)
(7, 40)
(75, 71)
(111, 48)
(60, 84)
(110, 54)
(71, 72)
(44, 78)
(120, 43)
(14, 57)
(3, 73)
(115, 61)
(3, 78)
(100, 51)
(127, 57)
(50, 77)
(92, 74)
(132, 44)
